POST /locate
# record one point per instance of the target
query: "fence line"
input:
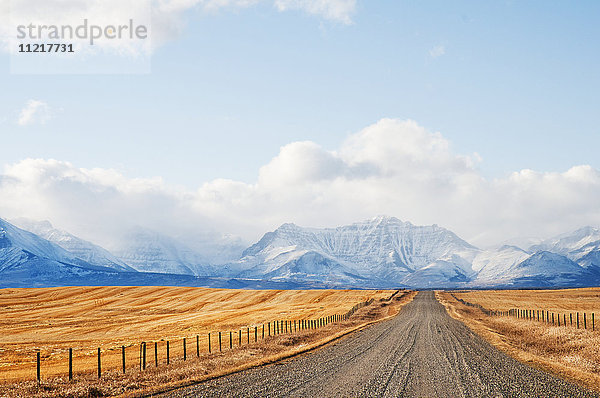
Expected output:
(538, 315)
(273, 328)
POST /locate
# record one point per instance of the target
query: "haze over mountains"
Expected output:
(383, 252)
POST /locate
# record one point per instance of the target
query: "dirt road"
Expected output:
(422, 352)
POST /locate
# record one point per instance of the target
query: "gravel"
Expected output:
(422, 352)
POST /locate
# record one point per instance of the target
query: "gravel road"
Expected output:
(422, 352)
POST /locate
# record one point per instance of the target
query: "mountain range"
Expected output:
(382, 252)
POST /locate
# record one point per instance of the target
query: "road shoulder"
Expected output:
(513, 346)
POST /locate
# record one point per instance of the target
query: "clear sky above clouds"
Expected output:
(271, 111)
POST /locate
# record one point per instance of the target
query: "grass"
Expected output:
(566, 351)
(53, 320)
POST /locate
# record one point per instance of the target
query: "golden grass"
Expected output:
(261, 305)
(566, 351)
(559, 301)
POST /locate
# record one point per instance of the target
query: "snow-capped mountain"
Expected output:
(382, 251)
(493, 266)
(545, 269)
(385, 251)
(149, 251)
(82, 249)
(581, 246)
(30, 259)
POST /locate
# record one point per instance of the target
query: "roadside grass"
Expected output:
(181, 373)
(565, 351)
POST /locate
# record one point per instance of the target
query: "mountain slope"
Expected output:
(494, 267)
(581, 246)
(26, 258)
(381, 251)
(82, 249)
(149, 251)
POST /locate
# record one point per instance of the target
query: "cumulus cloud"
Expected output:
(34, 112)
(437, 51)
(166, 18)
(394, 167)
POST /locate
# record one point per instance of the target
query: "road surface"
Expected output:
(422, 352)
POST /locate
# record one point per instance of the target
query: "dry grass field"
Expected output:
(567, 351)
(85, 318)
(559, 301)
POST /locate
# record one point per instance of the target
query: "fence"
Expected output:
(573, 319)
(157, 353)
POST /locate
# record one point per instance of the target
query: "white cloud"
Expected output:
(437, 51)
(34, 112)
(392, 167)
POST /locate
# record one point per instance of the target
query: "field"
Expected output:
(565, 350)
(85, 318)
(559, 301)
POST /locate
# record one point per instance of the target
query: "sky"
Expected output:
(480, 116)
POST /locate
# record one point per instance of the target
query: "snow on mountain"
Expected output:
(581, 246)
(149, 251)
(493, 267)
(30, 260)
(13, 240)
(82, 249)
(546, 269)
(381, 251)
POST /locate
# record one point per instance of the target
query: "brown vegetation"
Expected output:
(567, 351)
(52, 320)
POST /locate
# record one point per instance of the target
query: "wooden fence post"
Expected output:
(593, 322)
(269, 325)
(184, 350)
(578, 320)
(209, 347)
(99, 364)
(144, 352)
(198, 346)
(230, 340)
(571, 318)
(168, 355)
(263, 332)
(240, 338)
(248, 334)
(220, 346)
(584, 321)
(39, 367)
(255, 334)
(70, 364)
(156, 354)
(123, 357)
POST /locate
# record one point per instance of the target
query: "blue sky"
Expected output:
(515, 82)
(518, 83)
